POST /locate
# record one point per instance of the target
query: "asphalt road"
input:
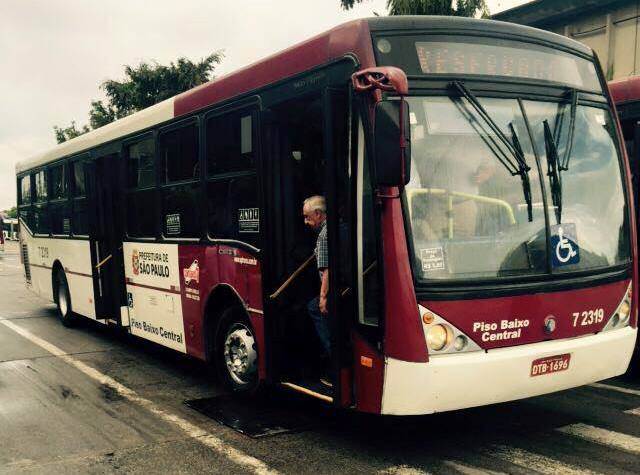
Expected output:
(92, 400)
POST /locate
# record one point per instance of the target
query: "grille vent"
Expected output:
(25, 261)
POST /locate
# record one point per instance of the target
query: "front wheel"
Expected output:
(63, 301)
(237, 352)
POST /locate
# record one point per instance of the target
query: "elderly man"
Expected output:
(314, 210)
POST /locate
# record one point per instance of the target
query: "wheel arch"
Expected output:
(220, 298)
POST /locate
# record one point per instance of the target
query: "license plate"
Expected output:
(550, 364)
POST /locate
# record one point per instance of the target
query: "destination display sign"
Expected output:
(439, 55)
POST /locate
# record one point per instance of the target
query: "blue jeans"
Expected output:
(321, 322)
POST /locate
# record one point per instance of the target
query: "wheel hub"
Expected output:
(240, 354)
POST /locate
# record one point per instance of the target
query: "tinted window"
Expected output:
(141, 214)
(80, 221)
(41, 219)
(179, 154)
(25, 190)
(181, 211)
(233, 209)
(60, 218)
(230, 143)
(78, 178)
(140, 164)
(58, 182)
(41, 186)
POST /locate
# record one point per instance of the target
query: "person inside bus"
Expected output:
(314, 211)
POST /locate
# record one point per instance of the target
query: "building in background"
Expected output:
(610, 27)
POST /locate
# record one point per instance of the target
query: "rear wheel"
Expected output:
(237, 352)
(63, 301)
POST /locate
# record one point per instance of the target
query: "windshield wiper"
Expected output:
(563, 164)
(553, 170)
(517, 165)
(526, 184)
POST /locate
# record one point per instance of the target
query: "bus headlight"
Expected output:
(624, 310)
(442, 337)
(620, 317)
(437, 337)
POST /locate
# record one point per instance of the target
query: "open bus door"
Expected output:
(102, 177)
(307, 150)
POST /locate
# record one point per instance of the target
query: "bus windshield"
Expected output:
(467, 213)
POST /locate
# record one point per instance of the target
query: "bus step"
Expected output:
(311, 388)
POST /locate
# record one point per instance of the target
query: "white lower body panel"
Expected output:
(452, 382)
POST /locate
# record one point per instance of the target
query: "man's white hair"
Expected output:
(316, 203)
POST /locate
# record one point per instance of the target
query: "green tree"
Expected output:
(468, 8)
(67, 133)
(143, 86)
(11, 213)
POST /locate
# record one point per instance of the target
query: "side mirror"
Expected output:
(392, 143)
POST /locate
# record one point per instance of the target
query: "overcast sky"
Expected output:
(54, 54)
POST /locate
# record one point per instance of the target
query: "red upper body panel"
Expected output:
(625, 90)
(352, 37)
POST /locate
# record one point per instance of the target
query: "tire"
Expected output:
(63, 301)
(236, 352)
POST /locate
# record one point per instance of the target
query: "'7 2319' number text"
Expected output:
(588, 317)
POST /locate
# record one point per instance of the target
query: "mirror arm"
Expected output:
(384, 78)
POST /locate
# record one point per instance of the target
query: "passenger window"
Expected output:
(25, 190)
(232, 188)
(233, 209)
(179, 154)
(78, 179)
(58, 182)
(140, 164)
(230, 143)
(41, 186)
(141, 213)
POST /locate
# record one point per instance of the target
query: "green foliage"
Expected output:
(467, 8)
(11, 213)
(143, 86)
(67, 133)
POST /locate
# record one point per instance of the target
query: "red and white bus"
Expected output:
(480, 222)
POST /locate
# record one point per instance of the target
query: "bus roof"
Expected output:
(349, 38)
(625, 90)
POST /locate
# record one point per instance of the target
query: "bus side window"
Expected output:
(232, 183)
(59, 204)
(24, 200)
(40, 208)
(180, 182)
(80, 216)
(140, 193)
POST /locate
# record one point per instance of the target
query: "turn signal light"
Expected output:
(427, 318)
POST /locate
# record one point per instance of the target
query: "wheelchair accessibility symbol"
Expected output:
(564, 245)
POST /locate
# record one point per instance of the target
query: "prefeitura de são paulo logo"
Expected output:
(135, 261)
(192, 273)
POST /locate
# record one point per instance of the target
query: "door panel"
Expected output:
(105, 234)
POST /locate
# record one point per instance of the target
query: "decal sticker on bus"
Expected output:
(564, 245)
(432, 259)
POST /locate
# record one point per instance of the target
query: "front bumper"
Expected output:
(459, 381)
